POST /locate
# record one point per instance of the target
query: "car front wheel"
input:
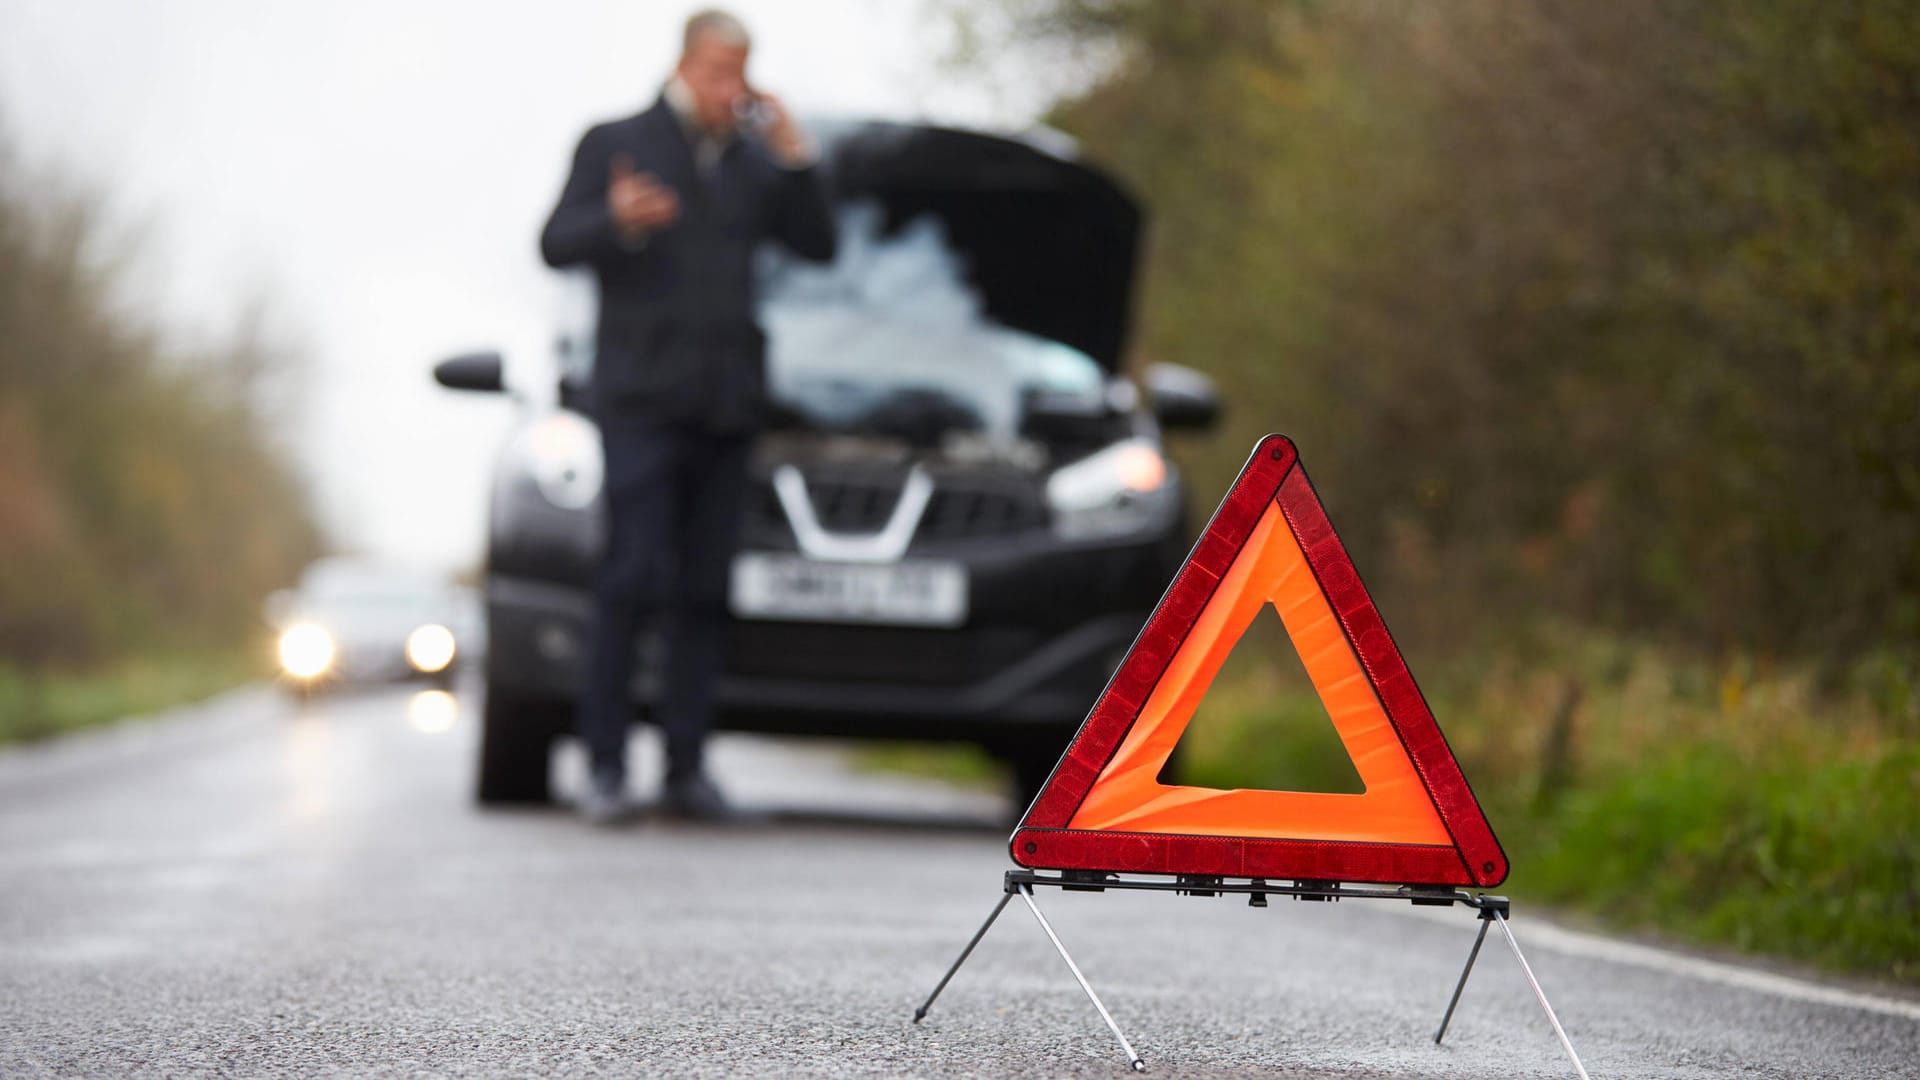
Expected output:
(1031, 761)
(516, 744)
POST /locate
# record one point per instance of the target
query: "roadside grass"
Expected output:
(1807, 853)
(41, 705)
(962, 764)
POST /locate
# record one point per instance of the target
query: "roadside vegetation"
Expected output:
(42, 704)
(146, 506)
(1598, 326)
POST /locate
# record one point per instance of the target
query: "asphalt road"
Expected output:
(248, 888)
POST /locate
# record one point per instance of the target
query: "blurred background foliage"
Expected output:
(1599, 328)
(146, 504)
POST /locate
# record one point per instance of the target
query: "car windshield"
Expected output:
(890, 336)
(372, 605)
(346, 591)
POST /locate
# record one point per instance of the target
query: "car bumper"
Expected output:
(997, 677)
(363, 664)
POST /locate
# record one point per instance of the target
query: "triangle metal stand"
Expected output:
(1020, 883)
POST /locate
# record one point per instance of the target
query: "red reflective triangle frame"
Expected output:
(1273, 475)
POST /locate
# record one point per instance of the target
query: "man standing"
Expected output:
(667, 207)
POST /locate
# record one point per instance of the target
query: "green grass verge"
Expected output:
(962, 764)
(1808, 852)
(39, 705)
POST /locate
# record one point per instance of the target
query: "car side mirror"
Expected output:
(1182, 398)
(480, 371)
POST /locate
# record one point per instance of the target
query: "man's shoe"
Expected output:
(695, 798)
(605, 804)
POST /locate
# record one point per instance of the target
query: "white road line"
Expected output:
(1593, 946)
(1579, 943)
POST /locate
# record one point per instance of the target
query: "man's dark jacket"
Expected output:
(678, 341)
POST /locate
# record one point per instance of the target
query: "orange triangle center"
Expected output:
(1270, 569)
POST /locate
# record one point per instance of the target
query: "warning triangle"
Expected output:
(1269, 545)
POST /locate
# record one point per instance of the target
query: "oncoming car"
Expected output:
(961, 513)
(351, 621)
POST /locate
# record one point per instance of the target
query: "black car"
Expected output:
(961, 514)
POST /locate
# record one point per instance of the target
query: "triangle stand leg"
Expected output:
(1134, 1059)
(1542, 995)
(1025, 892)
(1494, 910)
(920, 1013)
(1486, 917)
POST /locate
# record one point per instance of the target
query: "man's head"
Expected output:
(713, 65)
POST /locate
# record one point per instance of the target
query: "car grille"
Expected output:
(961, 508)
(959, 515)
(854, 505)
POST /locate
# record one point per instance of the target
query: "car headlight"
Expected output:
(1119, 491)
(306, 651)
(564, 456)
(430, 649)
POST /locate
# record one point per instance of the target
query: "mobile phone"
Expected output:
(750, 114)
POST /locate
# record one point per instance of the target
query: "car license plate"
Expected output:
(789, 587)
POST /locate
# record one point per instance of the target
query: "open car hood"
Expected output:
(1049, 242)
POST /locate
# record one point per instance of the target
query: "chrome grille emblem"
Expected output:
(889, 544)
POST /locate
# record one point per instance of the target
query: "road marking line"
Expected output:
(1590, 946)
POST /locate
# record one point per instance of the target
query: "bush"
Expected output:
(145, 503)
(1603, 311)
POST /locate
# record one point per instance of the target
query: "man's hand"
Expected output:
(783, 136)
(639, 203)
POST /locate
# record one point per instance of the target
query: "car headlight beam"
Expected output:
(565, 458)
(306, 651)
(430, 649)
(1121, 490)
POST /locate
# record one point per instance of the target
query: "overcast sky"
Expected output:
(378, 171)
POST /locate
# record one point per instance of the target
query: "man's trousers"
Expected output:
(674, 500)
